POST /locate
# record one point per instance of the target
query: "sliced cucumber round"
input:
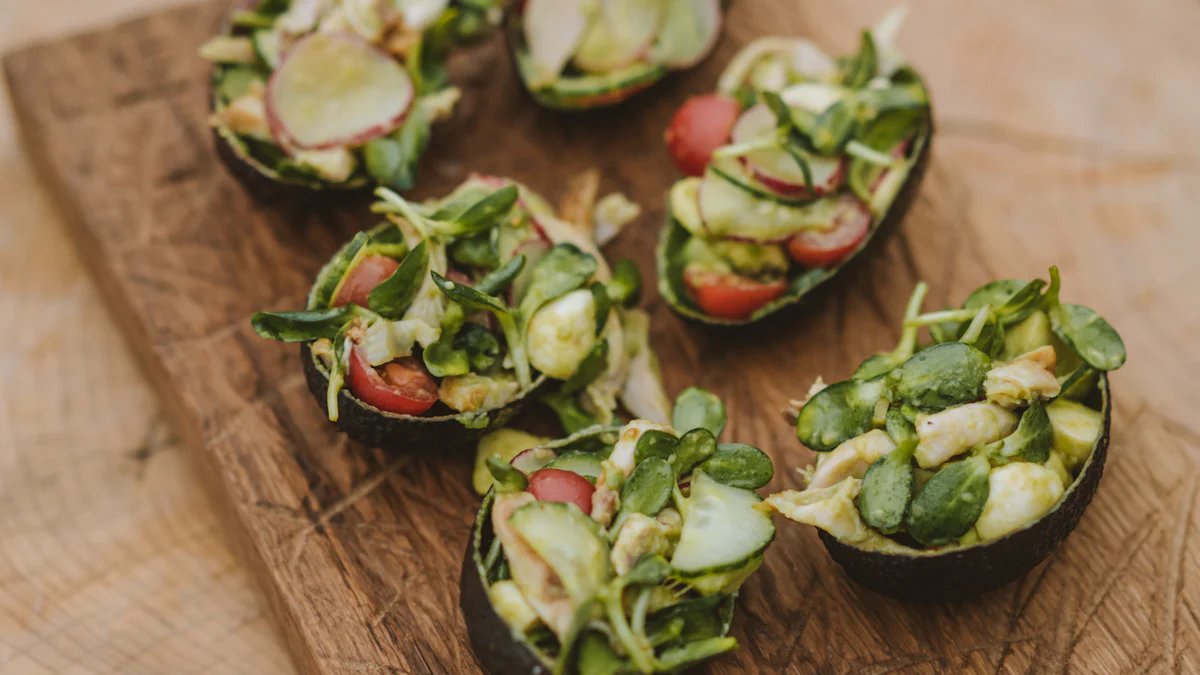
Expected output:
(730, 211)
(722, 529)
(589, 91)
(585, 464)
(735, 172)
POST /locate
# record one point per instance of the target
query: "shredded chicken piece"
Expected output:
(604, 499)
(830, 508)
(542, 588)
(246, 114)
(851, 459)
(577, 203)
(1021, 381)
(612, 213)
(950, 432)
(640, 534)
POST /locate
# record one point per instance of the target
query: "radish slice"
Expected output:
(776, 169)
(620, 35)
(690, 31)
(336, 90)
(729, 212)
(528, 461)
(553, 30)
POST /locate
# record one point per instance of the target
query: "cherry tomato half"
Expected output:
(730, 296)
(360, 281)
(556, 485)
(700, 126)
(404, 387)
(826, 249)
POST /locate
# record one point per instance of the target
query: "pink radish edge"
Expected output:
(280, 133)
(792, 190)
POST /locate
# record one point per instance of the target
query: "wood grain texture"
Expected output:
(1065, 138)
(112, 559)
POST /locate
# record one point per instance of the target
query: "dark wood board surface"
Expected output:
(1066, 135)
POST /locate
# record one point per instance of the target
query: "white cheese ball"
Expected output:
(1019, 493)
(562, 333)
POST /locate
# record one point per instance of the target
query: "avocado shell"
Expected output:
(965, 572)
(380, 429)
(562, 97)
(259, 179)
(497, 649)
(670, 275)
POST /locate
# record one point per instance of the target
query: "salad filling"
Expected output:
(937, 447)
(791, 168)
(592, 53)
(621, 549)
(338, 93)
(464, 305)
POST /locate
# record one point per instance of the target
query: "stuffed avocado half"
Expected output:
(951, 468)
(577, 54)
(334, 93)
(616, 549)
(439, 322)
(793, 166)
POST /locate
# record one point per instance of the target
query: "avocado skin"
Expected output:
(263, 186)
(389, 431)
(887, 226)
(496, 650)
(551, 100)
(964, 573)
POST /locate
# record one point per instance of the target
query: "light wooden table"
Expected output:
(111, 559)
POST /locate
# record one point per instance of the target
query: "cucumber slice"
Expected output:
(569, 542)
(237, 80)
(734, 172)
(583, 463)
(269, 46)
(588, 91)
(689, 33)
(731, 212)
(722, 531)
(685, 206)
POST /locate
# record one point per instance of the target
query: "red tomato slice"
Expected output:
(700, 126)
(360, 281)
(730, 296)
(826, 249)
(556, 485)
(403, 388)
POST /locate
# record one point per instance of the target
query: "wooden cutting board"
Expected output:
(1066, 135)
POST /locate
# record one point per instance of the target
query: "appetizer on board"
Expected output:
(575, 54)
(793, 165)
(949, 469)
(439, 322)
(336, 93)
(616, 549)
